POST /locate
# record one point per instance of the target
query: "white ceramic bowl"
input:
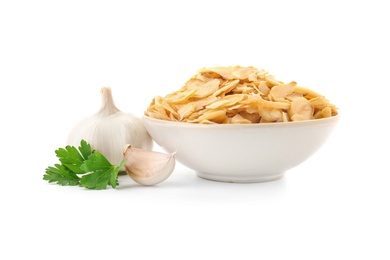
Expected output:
(241, 153)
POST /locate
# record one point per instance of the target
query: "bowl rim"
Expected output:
(312, 122)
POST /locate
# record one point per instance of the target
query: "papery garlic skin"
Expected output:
(110, 129)
(148, 167)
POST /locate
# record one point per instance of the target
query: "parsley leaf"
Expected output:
(71, 158)
(102, 172)
(61, 175)
(85, 149)
(95, 171)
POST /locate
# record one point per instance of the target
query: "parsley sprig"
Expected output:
(83, 167)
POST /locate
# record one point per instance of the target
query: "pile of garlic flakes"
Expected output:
(239, 95)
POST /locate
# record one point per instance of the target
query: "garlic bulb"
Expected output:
(110, 129)
(148, 167)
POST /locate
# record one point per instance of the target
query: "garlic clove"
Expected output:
(148, 167)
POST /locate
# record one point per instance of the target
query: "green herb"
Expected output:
(83, 167)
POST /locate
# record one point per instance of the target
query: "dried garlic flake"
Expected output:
(239, 95)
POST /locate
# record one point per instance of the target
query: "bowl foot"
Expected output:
(240, 179)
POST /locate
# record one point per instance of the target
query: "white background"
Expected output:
(55, 56)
